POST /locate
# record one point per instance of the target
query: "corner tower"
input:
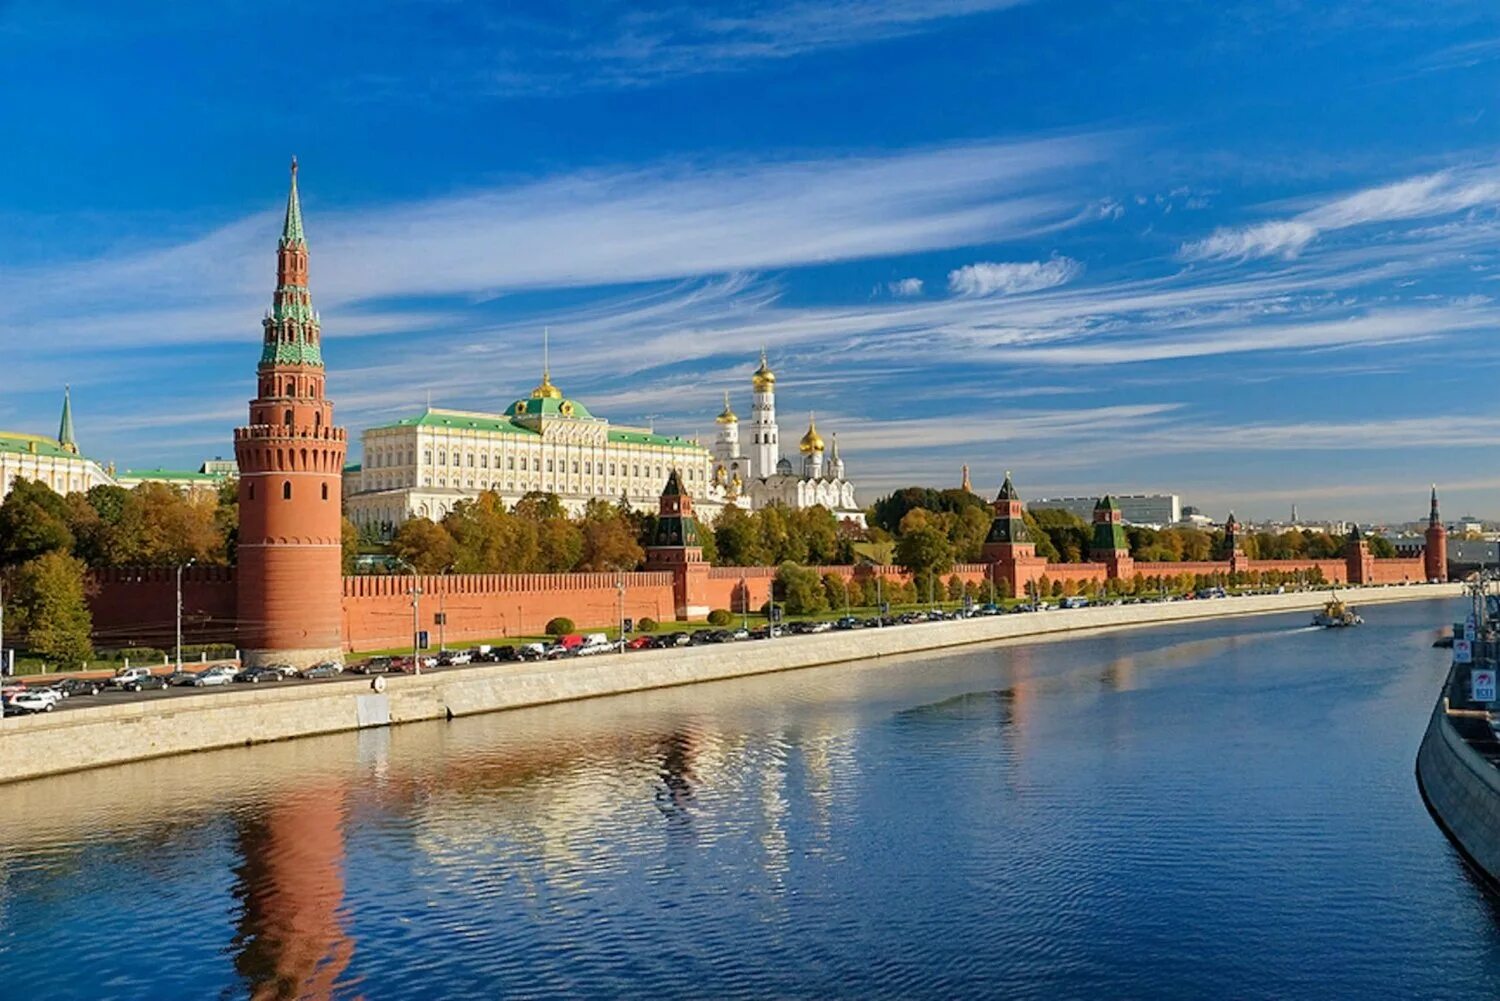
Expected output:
(291, 461)
(1435, 553)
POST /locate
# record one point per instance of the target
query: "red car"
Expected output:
(640, 643)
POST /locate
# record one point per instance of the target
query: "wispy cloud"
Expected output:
(989, 278)
(905, 288)
(1424, 196)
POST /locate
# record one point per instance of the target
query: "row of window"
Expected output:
(286, 490)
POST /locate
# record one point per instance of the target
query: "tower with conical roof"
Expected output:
(1435, 553)
(1009, 548)
(676, 547)
(1359, 564)
(1109, 544)
(291, 460)
(1233, 552)
(765, 438)
(65, 436)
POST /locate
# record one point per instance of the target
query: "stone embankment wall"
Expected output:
(1462, 790)
(144, 728)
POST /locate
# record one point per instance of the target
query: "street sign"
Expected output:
(1482, 684)
(628, 625)
(775, 613)
(422, 640)
(1463, 651)
(1469, 627)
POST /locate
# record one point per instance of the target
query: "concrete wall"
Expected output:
(1462, 790)
(84, 738)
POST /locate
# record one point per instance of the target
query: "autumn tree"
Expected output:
(46, 603)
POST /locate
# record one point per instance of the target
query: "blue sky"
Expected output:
(1245, 252)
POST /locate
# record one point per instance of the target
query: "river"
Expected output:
(1206, 809)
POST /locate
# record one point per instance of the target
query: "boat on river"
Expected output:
(1337, 615)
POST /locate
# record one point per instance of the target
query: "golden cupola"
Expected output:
(812, 441)
(728, 415)
(764, 380)
(546, 391)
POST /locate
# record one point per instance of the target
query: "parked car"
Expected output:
(504, 653)
(125, 676)
(255, 675)
(213, 676)
(146, 683)
(31, 702)
(326, 669)
(455, 658)
(79, 686)
(533, 651)
(285, 670)
(375, 665)
(182, 678)
(640, 643)
(40, 691)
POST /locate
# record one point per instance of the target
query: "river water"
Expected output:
(1212, 809)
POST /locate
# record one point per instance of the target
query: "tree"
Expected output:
(33, 521)
(609, 544)
(738, 539)
(1069, 534)
(924, 552)
(349, 542)
(427, 546)
(50, 609)
(800, 590)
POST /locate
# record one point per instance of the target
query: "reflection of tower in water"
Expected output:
(291, 942)
(674, 791)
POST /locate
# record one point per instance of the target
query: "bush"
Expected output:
(647, 626)
(140, 654)
(560, 626)
(720, 617)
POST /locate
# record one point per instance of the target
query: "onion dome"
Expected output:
(727, 416)
(764, 380)
(812, 441)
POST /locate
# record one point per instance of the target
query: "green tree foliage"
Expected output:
(923, 550)
(424, 544)
(349, 544)
(1068, 534)
(720, 617)
(800, 590)
(1382, 548)
(33, 521)
(609, 539)
(46, 604)
(738, 538)
(560, 626)
(888, 512)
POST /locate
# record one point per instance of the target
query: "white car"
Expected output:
(214, 676)
(32, 702)
(128, 676)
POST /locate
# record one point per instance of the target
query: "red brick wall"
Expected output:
(378, 613)
(1396, 571)
(138, 607)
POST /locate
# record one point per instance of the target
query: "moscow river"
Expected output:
(1210, 809)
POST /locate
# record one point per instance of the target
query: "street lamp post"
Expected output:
(621, 588)
(745, 606)
(879, 601)
(181, 567)
(416, 617)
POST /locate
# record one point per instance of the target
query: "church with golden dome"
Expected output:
(754, 474)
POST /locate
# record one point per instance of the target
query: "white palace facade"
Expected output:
(423, 466)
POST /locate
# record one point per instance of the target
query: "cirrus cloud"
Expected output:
(1011, 278)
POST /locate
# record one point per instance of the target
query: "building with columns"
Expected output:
(56, 462)
(291, 457)
(755, 474)
(422, 466)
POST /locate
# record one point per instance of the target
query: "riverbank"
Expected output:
(48, 744)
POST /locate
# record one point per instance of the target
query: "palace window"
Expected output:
(575, 467)
(611, 469)
(523, 463)
(635, 470)
(442, 458)
(457, 460)
(484, 461)
(427, 457)
(549, 465)
(588, 467)
(510, 462)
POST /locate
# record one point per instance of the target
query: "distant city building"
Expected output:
(56, 462)
(1146, 510)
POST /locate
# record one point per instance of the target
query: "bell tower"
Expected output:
(291, 461)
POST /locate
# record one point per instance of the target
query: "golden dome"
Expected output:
(728, 416)
(764, 380)
(812, 441)
(546, 391)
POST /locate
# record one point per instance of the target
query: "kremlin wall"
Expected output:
(287, 602)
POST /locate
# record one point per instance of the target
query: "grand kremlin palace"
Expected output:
(420, 467)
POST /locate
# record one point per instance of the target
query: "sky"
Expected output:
(1245, 252)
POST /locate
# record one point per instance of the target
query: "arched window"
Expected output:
(291, 389)
(286, 489)
(325, 491)
(288, 417)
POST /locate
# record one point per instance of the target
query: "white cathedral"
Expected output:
(763, 476)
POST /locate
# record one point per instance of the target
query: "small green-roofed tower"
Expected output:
(1109, 530)
(676, 547)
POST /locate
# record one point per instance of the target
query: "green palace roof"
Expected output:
(34, 444)
(511, 425)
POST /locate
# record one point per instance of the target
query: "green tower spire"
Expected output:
(291, 229)
(65, 427)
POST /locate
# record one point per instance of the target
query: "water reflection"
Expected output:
(290, 941)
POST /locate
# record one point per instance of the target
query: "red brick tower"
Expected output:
(675, 547)
(1359, 565)
(291, 460)
(1110, 545)
(1009, 549)
(1435, 554)
(1236, 555)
